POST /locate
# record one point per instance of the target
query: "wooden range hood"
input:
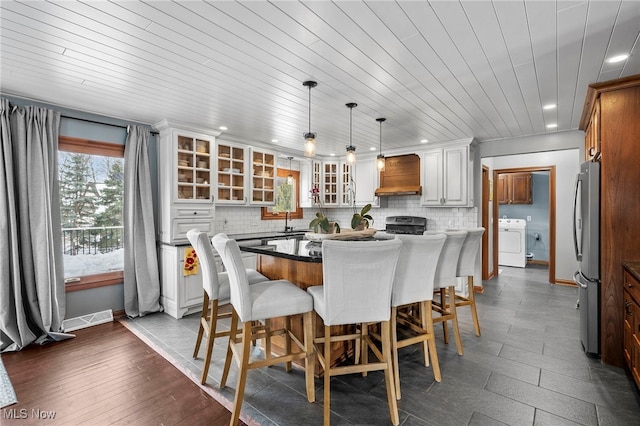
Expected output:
(401, 176)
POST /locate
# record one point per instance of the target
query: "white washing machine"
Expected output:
(512, 239)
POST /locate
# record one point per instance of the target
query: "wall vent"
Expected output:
(88, 320)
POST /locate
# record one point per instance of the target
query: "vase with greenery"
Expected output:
(361, 220)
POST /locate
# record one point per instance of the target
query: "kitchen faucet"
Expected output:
(286, 219)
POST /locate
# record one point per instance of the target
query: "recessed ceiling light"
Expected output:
(424, 140)
(549, 106)
(373, 148)
(222, 127)
(617, 58)
(274, 140)
(333, 154)
(552, 126)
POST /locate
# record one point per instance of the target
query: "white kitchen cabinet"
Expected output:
(306, 183)
(346, 184)
(263, 177)
(333, 179)
(231, 182)
(446, 177)
(366, 180)
(182, 295)
(185, 189)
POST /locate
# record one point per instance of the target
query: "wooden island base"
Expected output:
(304, 275)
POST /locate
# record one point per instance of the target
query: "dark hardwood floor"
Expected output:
(104, 376)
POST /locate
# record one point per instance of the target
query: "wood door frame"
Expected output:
(552, 215)
(485, 223)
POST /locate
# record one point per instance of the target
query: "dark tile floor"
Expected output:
(527, 368)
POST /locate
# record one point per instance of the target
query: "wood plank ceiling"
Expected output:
(438, 71)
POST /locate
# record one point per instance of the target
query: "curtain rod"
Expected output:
(99, 122)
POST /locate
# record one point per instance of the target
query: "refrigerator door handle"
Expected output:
(577, 280)
(577, 222)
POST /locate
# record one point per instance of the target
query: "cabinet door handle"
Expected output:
(627, 310)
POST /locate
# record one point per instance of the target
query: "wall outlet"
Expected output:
(528, 218)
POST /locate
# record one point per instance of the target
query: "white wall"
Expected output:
(567, 157)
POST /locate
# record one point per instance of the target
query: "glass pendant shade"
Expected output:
(309, 137)
(290, 176)
(351, 154)
(380, 159)
(309, 145)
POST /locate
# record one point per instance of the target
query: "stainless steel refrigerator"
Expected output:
(586, 238)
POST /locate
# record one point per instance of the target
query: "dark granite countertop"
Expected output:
(271, 250)
(633, 267)
(267, 235)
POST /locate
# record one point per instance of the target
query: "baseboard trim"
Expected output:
(538, 262)
(565, 282)
(478, 289)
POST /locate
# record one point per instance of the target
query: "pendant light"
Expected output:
(290, 177)
(309, 138)
(351, 150)
(380, 159)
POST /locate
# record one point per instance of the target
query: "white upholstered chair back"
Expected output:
(358, 276)
(416, 268)
(200, 242)
(467, 260)
(447, 269)
(238, 281)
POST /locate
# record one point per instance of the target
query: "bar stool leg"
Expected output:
(327, 376)
(454, 320)
(242, 373)
(310, 360)
(427, 324)
(388, 372)
(472, 299)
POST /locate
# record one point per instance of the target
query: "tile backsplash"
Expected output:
(239, 220)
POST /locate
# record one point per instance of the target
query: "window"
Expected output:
(91, 176)
(287, 204)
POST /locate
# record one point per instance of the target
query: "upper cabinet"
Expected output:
(446, 177)
(185, 190)
(346, 184)
(366, 179)
(334, 181)
(514, 188)
(263, 176)
(231, 182)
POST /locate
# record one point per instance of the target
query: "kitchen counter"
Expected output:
(268, 235)
(285, 252)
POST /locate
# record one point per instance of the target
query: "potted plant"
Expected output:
(321, 224)
(362, 219)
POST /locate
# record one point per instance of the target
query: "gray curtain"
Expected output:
(32, 294)
(141, 280)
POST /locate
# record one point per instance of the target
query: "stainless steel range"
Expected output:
(413, 225)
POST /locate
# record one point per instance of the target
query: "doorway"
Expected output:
(495, 187)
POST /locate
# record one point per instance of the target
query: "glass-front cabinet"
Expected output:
(347, 186)
(193, 168)
(263, 176)
(231, 184)
(186, 160)
(331, 186)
